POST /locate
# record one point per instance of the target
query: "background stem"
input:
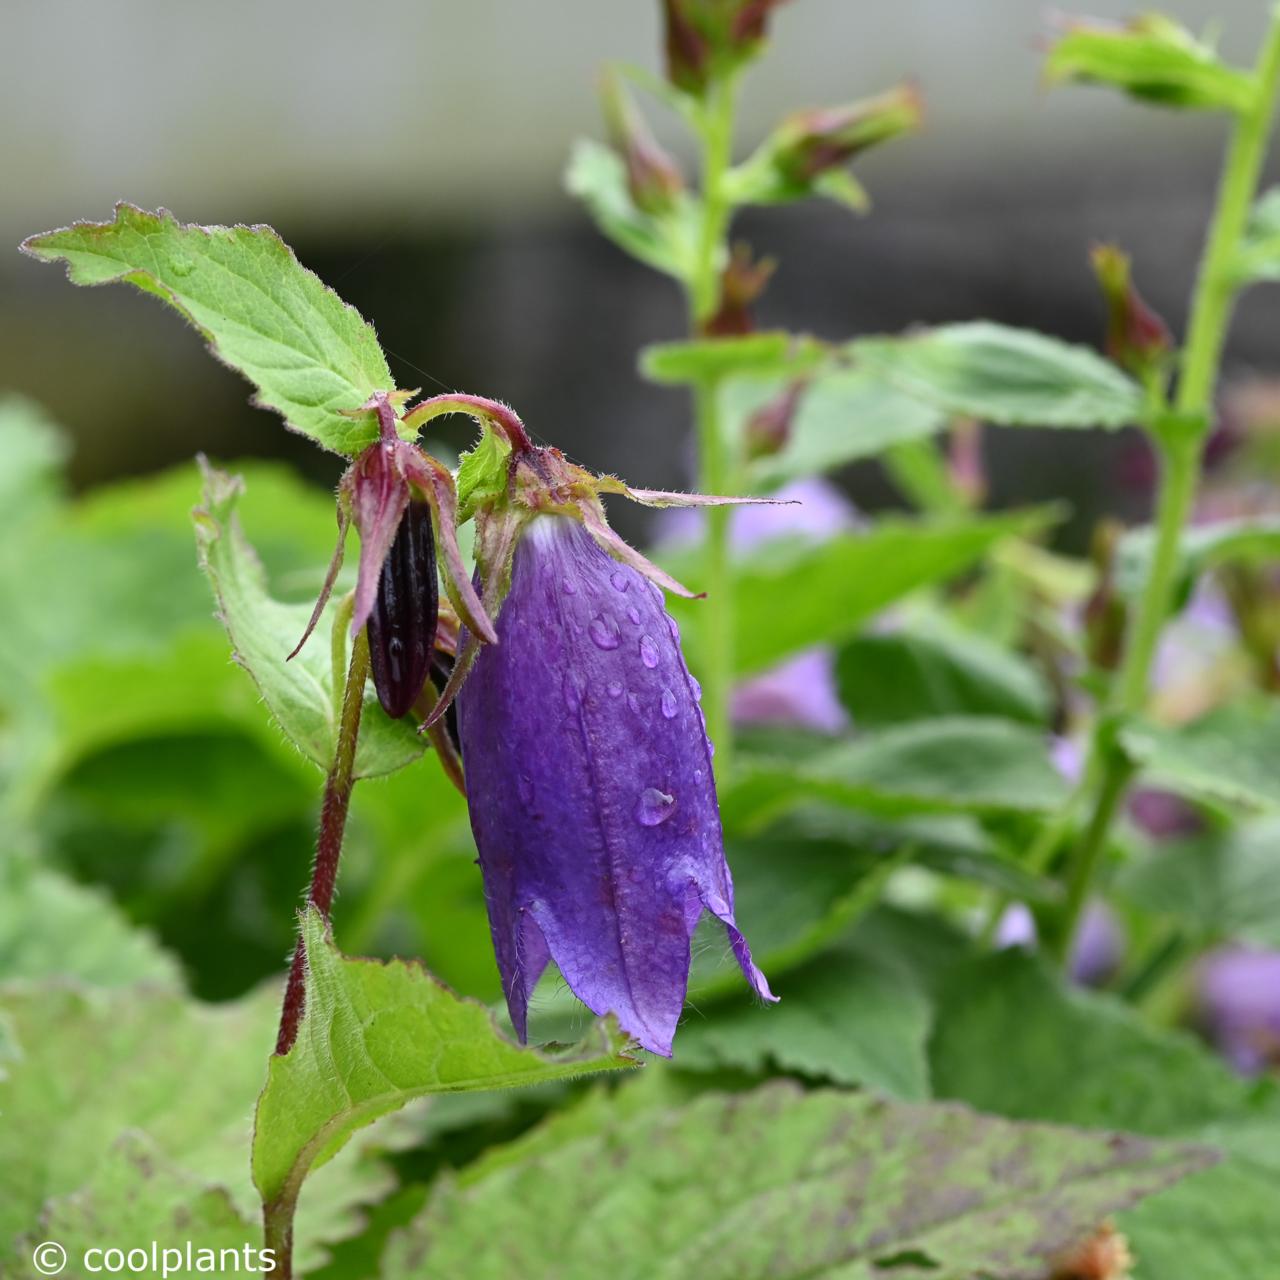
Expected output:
(1180, 439)
(714, 466)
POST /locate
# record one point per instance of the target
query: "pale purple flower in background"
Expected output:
(1193, 647)
(1096, 952)
(593, 800)
(1238, 1005)
(801, 691)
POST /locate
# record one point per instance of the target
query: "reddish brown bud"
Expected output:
(768, 429)
(1103, 1256)
(653, 178)
(1137, 338)
(1105, 615)
(706, 38)
(741, 283)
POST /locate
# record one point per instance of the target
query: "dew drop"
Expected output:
(634, 614)
(572, 695)
(654, 807)
(615, 689)
(567, 586)
(182, 266)
(648, 652)
(633, 702)
(697, 688)
(669, 706)
(674, 627)
(524, 788)
(604, 631)
(620, 580)
(697, 775)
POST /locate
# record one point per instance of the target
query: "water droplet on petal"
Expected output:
(572, 694)
(697, 775)
(634, 614)
(633, 702)
(654, 807)
(674, 628)
(669, 706)
(620, 580)
(567, 586)
(615, 689)
(604, 631)
(524, 788)
(696, 687)
(648, 652)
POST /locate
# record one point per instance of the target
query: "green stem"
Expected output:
(1180, 437)
(714, 465)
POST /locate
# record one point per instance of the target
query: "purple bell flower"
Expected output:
(593, 800)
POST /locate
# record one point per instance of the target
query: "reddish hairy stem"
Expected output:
(497, 415)
(333, 822)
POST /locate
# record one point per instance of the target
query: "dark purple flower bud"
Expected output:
(653, 177)
(708, 38)
(768, 429)
(1137, 338)
(1106, 614)
(402, 624)
(741, 283)
(593, 801)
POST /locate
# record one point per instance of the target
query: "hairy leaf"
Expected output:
(931, 669)
(376, 1036)
(310, 356)
(1152, 58)
(787, 1184)
(948, 765)
(299, 693)
(1011, 377)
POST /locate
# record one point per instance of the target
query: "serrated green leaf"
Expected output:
(51, 927)
(482, 473)
(597, 176)
(829, 590)
(1225, 884)
(1226, 757)
(79, 1070)
(848, 1016)
(951, 765)
(310, 355)
(788, 1185)
(934, 668)
(299, 693)
(1152, 58)
(376, 1036)
(773, 353)
(1011, 377)
(1258, 257)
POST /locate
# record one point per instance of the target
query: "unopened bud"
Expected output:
(1105, 615)
(707, 38)
(768, 429)
(653, 178)
(1103, 1256)
(741, 283)
(1137, 338)
(965, 464)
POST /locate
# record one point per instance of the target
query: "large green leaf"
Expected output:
(79, 1071)
(849, 1016)
(784, 1184)
(597, 176)
(310, 356)
(1012, 377)
(933, 668)
(51, 927)
(1226, 757)
(826, 591)
(1249, 540)
(771, 353)
(1258, 257)
(299, 693)
(1225, 884)
(375, 1037)
(1152, 58)
(950, 765)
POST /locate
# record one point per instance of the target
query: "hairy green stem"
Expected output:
(1180, 437)
(714, 464)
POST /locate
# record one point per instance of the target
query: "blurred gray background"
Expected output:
(412, 154)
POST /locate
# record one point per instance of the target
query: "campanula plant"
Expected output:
(1001, 820)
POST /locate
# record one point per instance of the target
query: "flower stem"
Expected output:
(1180, 438)
(333, 822)
(714, 465)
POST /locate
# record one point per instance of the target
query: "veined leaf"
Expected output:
(1152, 58)
(375, 1037)
(310, 356)
(1011, 377)
(300, 694)
(787, 1184)
(772, 353)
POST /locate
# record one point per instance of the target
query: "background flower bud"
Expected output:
(653, 177)
(1137, 338)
